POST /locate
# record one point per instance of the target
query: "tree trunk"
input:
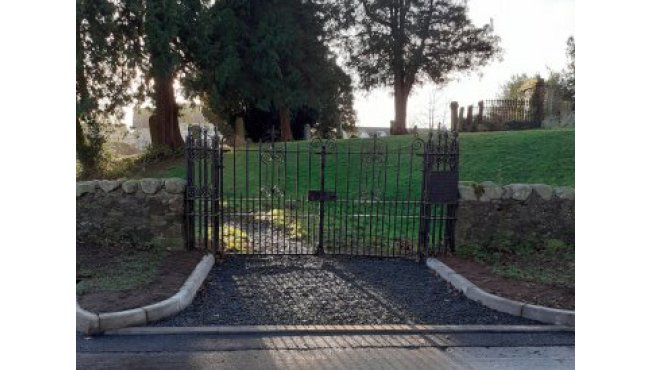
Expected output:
(401, 98)
(163, 126)
(285, 124)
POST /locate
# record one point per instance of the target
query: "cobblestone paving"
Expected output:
(284, 290)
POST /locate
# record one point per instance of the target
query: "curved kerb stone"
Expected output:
(93, 323)
(546, 315)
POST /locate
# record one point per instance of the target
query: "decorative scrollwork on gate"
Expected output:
(374, 158)
(328, 143)
(273, 157)
(271, 154)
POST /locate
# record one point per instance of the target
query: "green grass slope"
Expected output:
(535, 156)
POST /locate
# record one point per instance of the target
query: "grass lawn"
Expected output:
(533, 156)
(112, 278)
(553, 263)
(543, 275)
(113, 269)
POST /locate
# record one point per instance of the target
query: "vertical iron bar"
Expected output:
(284, 202)
(440, 166)
(189, 191)
(348, 163)
(259, 200)
(221, 207)
(397, 235)
(201, 185)
(308, 205)
(383, 204)
(372, 187)
(206, 186)
(296, 195)
(215, 191)
(321, 203)
(251, 242)
(359, 239)
(409, 205)
(272, 186)
(425, 208)
(199, 188)
(334, 227)
(234, 192)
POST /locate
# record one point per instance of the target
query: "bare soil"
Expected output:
(524, 291)
(174, 267)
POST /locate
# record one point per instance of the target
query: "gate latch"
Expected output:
(317, 196)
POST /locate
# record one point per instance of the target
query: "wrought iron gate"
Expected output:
(374, 196)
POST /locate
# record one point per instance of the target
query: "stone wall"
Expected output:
(149, 212)
(131, 213)
(503, 218)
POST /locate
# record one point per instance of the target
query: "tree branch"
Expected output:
(417, 56)
(373, 17)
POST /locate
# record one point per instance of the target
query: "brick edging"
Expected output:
(94, 323)
(530, 311)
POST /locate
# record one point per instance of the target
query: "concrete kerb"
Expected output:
(93, 323)
(530, 311)
(337, 329)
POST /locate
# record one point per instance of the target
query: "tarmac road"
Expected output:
(363, 350)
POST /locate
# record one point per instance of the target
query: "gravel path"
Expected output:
(284, 290)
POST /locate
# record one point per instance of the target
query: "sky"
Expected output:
(533, 38)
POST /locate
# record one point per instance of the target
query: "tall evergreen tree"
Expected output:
(139, 43)
(400, 43)
(103, 71)
(170, 34)
(268, 55)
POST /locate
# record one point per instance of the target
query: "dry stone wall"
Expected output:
(149, 212)
(131, 213)
(504, 218)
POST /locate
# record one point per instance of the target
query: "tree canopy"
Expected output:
(401, 43)
(568, 78)
(104, 71)
(271, 56)
(563, 82)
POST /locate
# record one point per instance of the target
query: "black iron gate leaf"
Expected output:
(353, 197)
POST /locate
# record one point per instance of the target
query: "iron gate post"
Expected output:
(215, 194)
(189, 189)
(425, 206)
(320, 250)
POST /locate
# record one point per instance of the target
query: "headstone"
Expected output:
(307, 132)
(469, 120)
(454, 115)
